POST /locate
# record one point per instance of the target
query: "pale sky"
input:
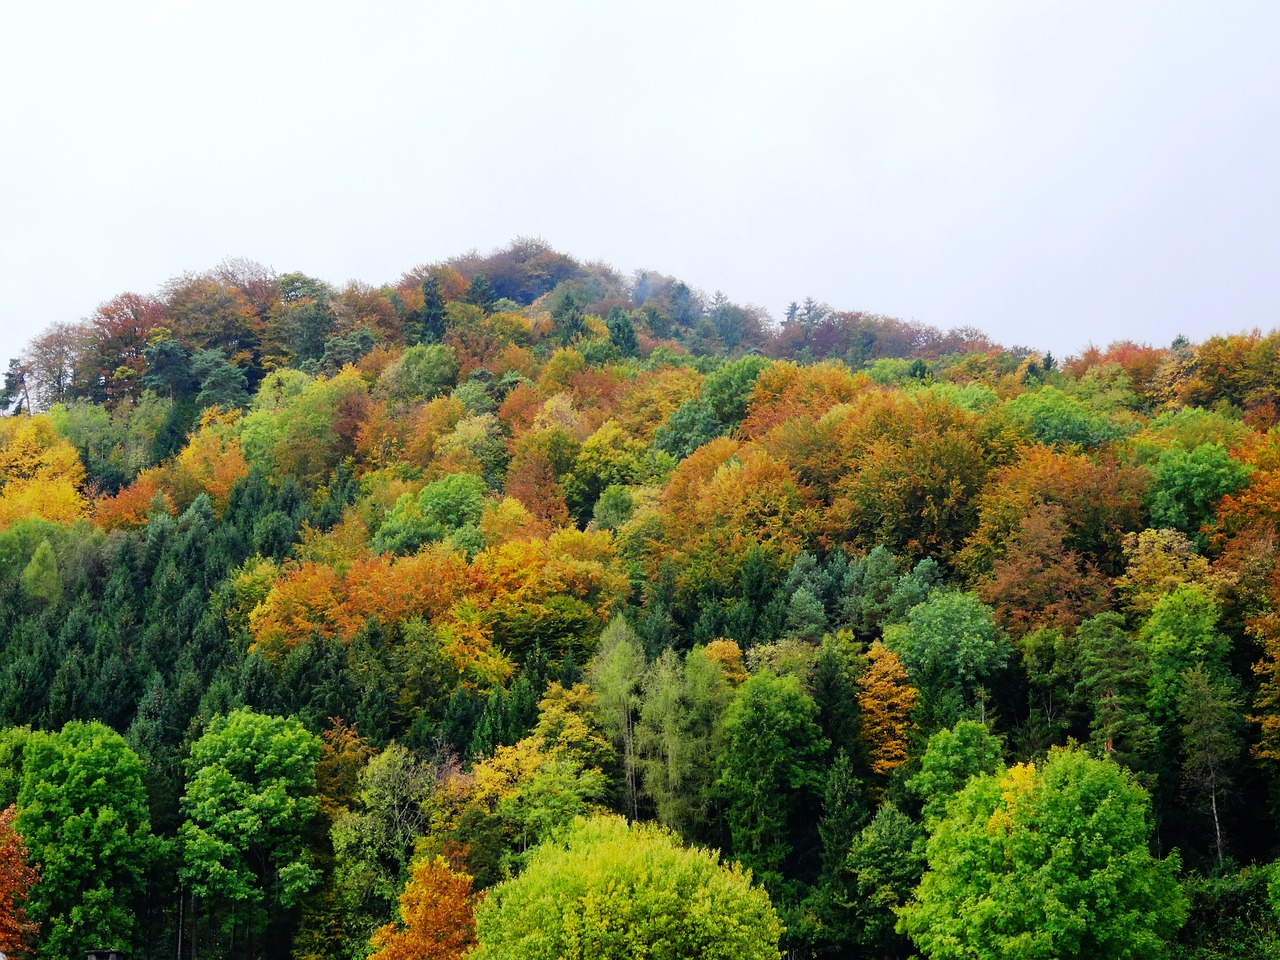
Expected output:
(1054, 173)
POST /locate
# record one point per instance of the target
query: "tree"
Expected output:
(249, 799)
(83, 813)
(883, 866)
(886, 701)
(680, 736)
(436, 916)
(952, 758)
(1212, 736)
(771, 768)
(607, 889)
(569, 318)
(221, 382)
(1046, 861)
(1187, 485)
(421, 373)
(616, 673)
(621, 331)
(950, 645)
(17, 877)
(40, 473)
(373, 842)
(1114, 683)
(1054, 418)
(431, 316)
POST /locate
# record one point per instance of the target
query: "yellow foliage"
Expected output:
(728, 654)
(40, 473)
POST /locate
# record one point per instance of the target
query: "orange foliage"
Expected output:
(427, 425)
(343, 754)
(1256, 507)
(131, 506)
(1139, 361)
(728, 654)
(901, 470)
(520, 407)
(726, 498)
(886, 699)
(212, 462)
(436, 911)
(1038, 582)
(531, 479)
(1101, 501)
(1265, 628)
(786, 390)
(17, 877)
(315, 599)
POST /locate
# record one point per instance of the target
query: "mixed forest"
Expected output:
(523, 608)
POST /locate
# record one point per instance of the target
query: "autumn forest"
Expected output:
(523, 608)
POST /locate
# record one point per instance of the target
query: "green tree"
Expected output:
(844, 812)
(1046, 861)
(83, 814)
(221, 382)
(688, 427)
(431, 318)
(40, 580)
(621, 331)
(373, 842)
(1181, 632)
(1187, 485)
(952, 758)
(1054, 418)
(882, 868)
(480, 293)
(440, 509)
(1114, 682)
(680, 735)
(728, 388)
(616, 673)
(421, 373)
(1212, 738)
(250, 797)
(950, 646)
(771, 768)
(607, 889)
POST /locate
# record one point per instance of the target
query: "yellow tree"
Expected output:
(40, 473)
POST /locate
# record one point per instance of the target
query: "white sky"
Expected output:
(1053, 173)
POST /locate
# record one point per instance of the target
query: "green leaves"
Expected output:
(773, 755)
(83, 813)
(1047, 861)
(249, 799)
(610, 890)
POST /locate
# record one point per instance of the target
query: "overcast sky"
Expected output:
(1054, 173)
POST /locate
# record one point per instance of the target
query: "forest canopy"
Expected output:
(521, 605)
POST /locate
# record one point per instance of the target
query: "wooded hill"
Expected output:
(340, 623)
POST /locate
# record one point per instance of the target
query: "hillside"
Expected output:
(311, 598)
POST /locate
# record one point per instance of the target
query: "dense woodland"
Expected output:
(521, 608)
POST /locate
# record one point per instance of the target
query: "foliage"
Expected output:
(770, 767)
(436, 917)
(83, 813)
(608, 889)
(17, 877)
(1046, 860)
(249, 799)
